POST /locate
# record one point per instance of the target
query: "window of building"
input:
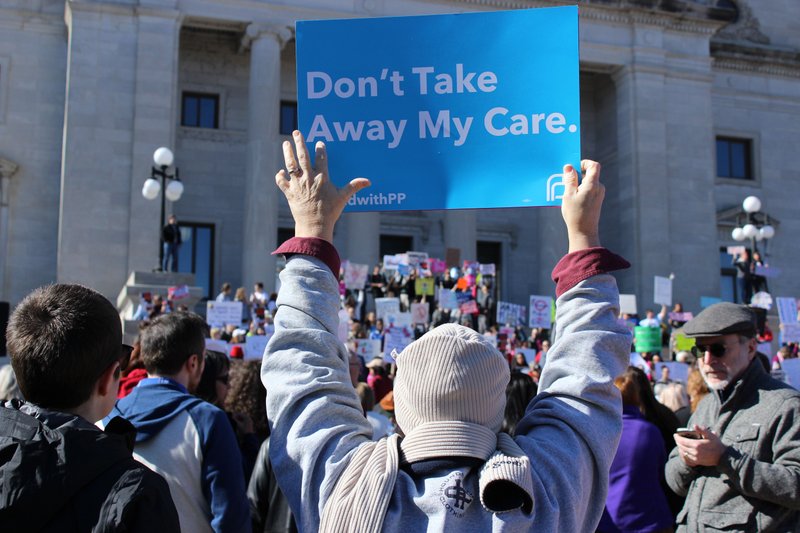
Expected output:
(288, 117)
(200, 110)
(196, 254)
(734, 158)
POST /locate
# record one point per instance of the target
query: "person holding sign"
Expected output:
(450, 468)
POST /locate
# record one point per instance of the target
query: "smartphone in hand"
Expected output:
(688, 433)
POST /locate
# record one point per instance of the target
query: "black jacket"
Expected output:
(60, 473)
(171, 233)
(269, 508)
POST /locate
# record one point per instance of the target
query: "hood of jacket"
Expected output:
(47, 457)
(152, 405)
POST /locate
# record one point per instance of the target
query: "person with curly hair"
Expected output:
(246, 407)
(247, 395)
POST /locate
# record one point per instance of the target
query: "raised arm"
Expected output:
(315, 202)
(582, 204)
(571, 429)
(315, 415)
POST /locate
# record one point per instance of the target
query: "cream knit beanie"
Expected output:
(451, 373)
(449, 398)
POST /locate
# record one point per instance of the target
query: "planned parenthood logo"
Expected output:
(555, 187)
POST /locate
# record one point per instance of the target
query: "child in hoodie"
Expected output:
(59, 471)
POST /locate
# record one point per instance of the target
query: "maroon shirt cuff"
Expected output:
(318, 248)
(583, 264)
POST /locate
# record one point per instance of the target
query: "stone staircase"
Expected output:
(154, 283)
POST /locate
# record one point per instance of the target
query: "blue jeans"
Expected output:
(171, 250)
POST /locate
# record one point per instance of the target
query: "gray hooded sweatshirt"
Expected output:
(570, 430)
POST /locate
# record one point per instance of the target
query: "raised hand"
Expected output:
(315, 202)
(581, 205)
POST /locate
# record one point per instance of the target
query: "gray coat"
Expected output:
(756, 486)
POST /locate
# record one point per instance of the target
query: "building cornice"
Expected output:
(755, 58)
(505, 231)
(732, 217)
(738, 45)
(675, 15)
(394, 223)
(230, 137)
(200, 23)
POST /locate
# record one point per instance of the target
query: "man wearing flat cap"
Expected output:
(741, 471)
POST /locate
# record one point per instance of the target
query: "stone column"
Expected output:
(97, 140)
(641, 201)
(666, 167)
(461, 231)
(154, 123)
(7, 169)
(363, 238)
(263, 153)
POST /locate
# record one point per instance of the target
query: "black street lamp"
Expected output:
(756, 227)
(171, 186)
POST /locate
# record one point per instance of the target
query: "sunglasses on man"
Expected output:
(716, 349)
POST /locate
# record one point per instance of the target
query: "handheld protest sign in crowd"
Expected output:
(465, 102)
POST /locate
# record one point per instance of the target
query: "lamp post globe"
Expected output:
(767, 232)
(751, 204)
(749, 231)
(174, 191)
(163, 157)
(151, 189)
(738, 234)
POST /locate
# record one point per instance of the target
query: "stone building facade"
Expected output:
(90, 88)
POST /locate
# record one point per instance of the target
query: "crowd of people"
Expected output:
(473, 426)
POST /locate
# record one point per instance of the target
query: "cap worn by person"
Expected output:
(237, 352)
(722, 319)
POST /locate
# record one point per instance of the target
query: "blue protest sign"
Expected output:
(460, 111)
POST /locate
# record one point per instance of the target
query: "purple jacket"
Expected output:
(636, 502)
